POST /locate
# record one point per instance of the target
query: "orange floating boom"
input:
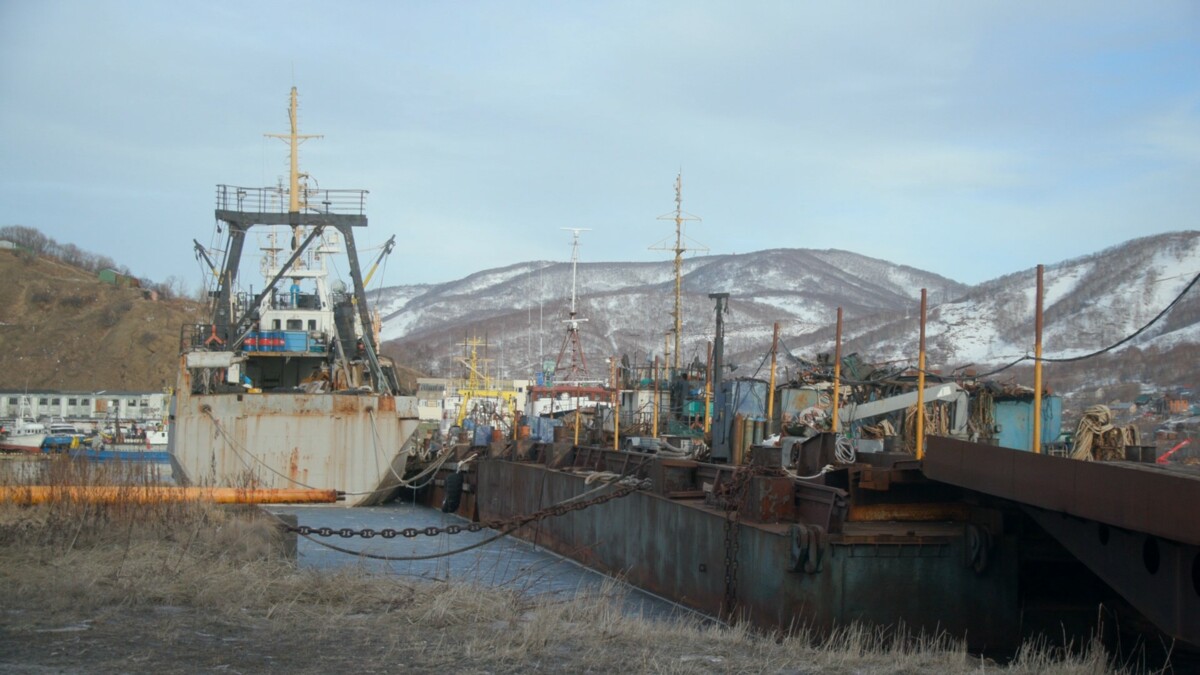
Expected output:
(27, 495)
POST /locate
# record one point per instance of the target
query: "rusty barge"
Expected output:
(284, 387)
(987, 530)
(986, 543)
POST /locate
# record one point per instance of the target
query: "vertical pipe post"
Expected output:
(1037, 366)
(666, 349)
(920, 450)
(578, 411)
(616, 407)
(771, 386)
(721, 422)
(837, 372)
(708, 374)
(654, 416)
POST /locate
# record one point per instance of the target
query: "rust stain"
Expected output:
(294, 465)
(346, 405)
(925, 512)
(387, 404)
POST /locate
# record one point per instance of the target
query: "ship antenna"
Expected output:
(294, 139)
(679, 216)
(578, 363)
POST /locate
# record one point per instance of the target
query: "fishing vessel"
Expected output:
(284, 386)
(23, 434)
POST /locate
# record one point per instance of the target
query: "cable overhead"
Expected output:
(1139, 331)
(1071, 359)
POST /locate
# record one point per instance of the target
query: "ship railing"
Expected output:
(277, 200)
(204, 337)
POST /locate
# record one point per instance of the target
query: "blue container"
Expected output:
(483, 435)
(295, 341)
(1015, 422)
(542, 429)
(276, 340)
(251, 342)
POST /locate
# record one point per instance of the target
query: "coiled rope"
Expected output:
(1096, 438)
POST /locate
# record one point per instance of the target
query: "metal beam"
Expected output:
(1134, 496)
(948, 391)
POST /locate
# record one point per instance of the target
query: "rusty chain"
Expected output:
(511, 523)
(732, 494)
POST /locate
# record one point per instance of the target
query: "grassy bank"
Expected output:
(191, 588)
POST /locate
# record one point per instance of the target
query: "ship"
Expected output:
(22, 434)
(936, 505)
(284, 386)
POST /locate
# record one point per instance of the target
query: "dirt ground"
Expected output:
(193, 589)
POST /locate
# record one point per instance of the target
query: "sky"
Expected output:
(969, 139)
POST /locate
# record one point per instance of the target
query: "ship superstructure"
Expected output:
(284, 387)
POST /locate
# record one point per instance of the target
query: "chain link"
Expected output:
(501, 524)
(733, 493)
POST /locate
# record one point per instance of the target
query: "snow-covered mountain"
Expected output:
(628, 306)
(1090, 302)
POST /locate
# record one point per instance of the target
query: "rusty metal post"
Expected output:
(513, 411)
(708, 393)
(837, 371)
(920, 449)
(616, 406)
(654, 416)
(667, 350)
(578, 414)
(1037, 366)
(771, 386)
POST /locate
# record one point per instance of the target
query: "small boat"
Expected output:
(24, 434)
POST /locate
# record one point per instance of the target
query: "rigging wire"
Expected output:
(1136, 333)
(1071, 359)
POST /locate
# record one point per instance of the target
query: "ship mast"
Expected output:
(294, 139)
(578, 364)
(679, 216)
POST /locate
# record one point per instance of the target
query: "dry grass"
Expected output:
(176, 587)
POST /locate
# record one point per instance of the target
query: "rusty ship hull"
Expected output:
(353, 443)
(677, 549)
(880, 543)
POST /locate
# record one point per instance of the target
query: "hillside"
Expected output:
(62, 328)
(628, 305)
(1090, 302)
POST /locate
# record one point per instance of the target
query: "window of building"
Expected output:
(13, 400)
(84, 401)
(295, 324)
(312, 324)
(57, 401)
(72, 401)
(42, 401)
